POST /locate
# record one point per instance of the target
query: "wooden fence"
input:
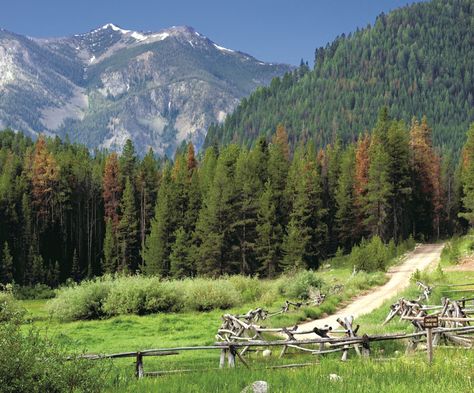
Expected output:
(230, 351)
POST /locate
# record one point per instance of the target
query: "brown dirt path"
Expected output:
(420, 258)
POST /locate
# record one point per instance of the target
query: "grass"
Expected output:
(388, 370)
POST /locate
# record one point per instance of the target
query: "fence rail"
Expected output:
(231, 349)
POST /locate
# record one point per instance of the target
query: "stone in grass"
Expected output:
(266, 353)
(256, 387)
(335, 378)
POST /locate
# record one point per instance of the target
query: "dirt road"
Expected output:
(422, 257)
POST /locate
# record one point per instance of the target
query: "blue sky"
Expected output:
(271, 30)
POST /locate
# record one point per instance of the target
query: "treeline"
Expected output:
(67, 213)
(415, 60)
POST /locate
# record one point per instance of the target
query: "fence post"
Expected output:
(139, 372)
(429, 344)
(222, 359)
(231, 357)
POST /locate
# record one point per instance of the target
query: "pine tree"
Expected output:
(248, 189)
(398, 150)
(425, 167)
(361, 179)
(128, 230)
(180, 262)
(44, 183)
(127, 162)
(269, 233)
(303, 245)
(213, 230)
(345, 201)
(110, 248)
(147, 189)
(76, 269)
(111, 189)
(6, 265)
(379, 190)
(158, 243)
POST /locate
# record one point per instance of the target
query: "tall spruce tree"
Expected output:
(128, 230)
(111, 252)
(346, 216)
(158, 243)
(269, 233)
(6, 265)
(180, 262)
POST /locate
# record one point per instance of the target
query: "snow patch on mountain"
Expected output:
(221, 48)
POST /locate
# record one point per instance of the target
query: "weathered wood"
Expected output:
(139, 372)
(231, 357)
(222, 358)
(429, 344)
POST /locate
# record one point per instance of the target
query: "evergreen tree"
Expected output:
(76, 269)
(213, 232)
(180, 262)
(110, 249)
(128, 230)
(158, 244)
(112, 189)
(345, 201)
(6, 265)
(269, 233)
(147, 189)
(379, 190)
(127, 162)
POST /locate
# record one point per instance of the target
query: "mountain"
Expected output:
(417, 60)
(111, 84)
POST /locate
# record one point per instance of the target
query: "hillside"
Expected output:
(110, 84)
(416, 60)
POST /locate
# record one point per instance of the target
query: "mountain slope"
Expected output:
(416, 60)
(112, 84)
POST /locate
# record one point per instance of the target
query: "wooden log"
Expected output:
(222, 358)
(231, 357)
(365, 346)
(139, 372)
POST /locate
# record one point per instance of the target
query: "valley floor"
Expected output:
(388, 369)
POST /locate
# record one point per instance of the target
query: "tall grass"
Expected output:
(457, 248)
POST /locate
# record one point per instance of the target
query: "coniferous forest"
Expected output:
(66, 213)
(416, 60)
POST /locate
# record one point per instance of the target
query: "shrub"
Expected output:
(32, 363)
(204, 295)
(38, 291)
(250, 288)
(9, 308)
(374, 255)
(84, 301)
(142, 295)
(452, 250)
(298, 285)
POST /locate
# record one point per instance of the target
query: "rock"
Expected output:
(256, 387)
(335, 378)
(267, 353)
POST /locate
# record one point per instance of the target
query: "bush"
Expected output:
(142, 295)
(32, 363)
(9, 308)
(250, 288)
(452, 250)
(298, 285)
(38, 291)
(374, 255)
(84, 301)
(204, 294)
